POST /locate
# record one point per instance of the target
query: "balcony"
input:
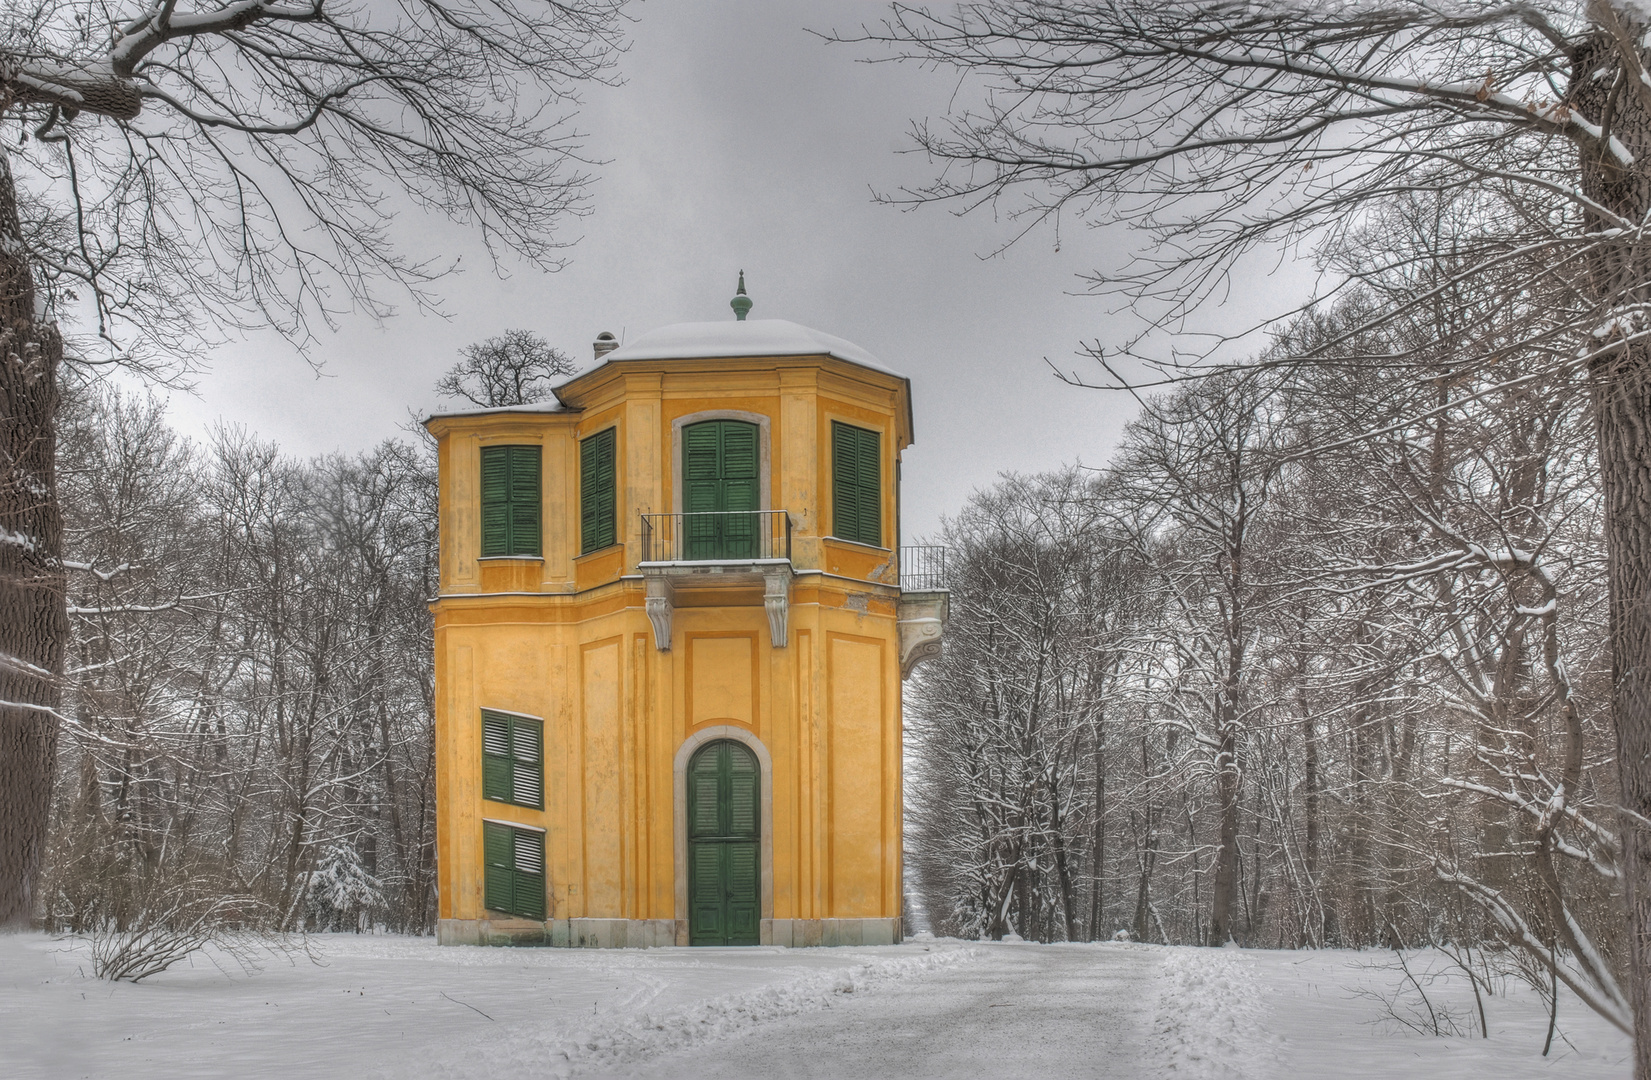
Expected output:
(717, 550)
(925, 604)
(734, 537)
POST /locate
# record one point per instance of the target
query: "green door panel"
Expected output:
(724, 871)
(721, 469)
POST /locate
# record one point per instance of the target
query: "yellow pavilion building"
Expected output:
(670, 636)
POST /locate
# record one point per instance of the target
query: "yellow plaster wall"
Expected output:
(580, 654)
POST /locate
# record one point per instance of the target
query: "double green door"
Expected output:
(720, 474)
(724, 867)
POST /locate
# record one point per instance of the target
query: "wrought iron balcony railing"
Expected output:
(923, 568)
(723, 536)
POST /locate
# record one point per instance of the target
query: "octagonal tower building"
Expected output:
(670, 636)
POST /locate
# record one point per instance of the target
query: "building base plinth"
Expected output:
(559, 933)
(658, 933)
(807, 933)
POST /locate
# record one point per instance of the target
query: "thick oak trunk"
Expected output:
(1620, 383)
(1622, 409)
(33, 624)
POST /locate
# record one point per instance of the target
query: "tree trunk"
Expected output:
(1620, 383)
(1224, 892)
(34, 627)
(1622, 407)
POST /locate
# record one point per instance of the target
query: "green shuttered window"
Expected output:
(598, 493)
(515, 877)
(510, 500)
(856, 484)
(721, 470)
(512, 759)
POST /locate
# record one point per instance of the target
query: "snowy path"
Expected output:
(1017, 1011)
(404, 1008)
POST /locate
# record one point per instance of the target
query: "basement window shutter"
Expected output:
(512, 759)
(511, 500)
(529, 898)
(856, 484)
(499, 856)
(515, 870)
(598, 493)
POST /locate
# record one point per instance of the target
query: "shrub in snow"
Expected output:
(340, 894)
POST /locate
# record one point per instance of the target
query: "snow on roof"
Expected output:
(550, 406)
(752, 337)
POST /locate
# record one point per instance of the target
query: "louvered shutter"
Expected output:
(705, 892)
(845, 502)
(529, 899)
(527, 768)
(869, 496)
(495, 500)
(701, 481)
(525, 500)
(739, 489)
(598, 505)
(703, 819)
(499, 858)
(741, 780)
(496, 770)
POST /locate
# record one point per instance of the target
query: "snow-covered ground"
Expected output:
(387, 1006)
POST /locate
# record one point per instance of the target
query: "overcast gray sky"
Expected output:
(738, 140)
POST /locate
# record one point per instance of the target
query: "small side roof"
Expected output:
(751, 337)
(551, 406)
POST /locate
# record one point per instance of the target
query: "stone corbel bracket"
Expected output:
(776, 600)
(658, 601)
(921, 621)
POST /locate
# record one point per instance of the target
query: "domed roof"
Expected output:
(753, 337)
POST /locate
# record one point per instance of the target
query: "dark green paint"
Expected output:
(856, 484)
(511, 500)
(724, 871)
(721, 470)
(598, 493)
(514, 871)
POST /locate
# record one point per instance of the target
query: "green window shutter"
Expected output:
(527, 768)
(495, 500)
(869, 469)
(529, 898)
(856, 484)
(525, 500)
(513, 750)
(701, 468)
(496, 782)
(598, 493)
(511, 500)
(515, 870)
(499, 858)
(721, 474)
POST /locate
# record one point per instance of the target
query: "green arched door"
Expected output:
(720, 474)
(724, 861)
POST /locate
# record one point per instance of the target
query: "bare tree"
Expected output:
(1219, 127)
(222, 163)
(515, 368)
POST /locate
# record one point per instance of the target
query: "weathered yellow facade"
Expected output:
(800, 660)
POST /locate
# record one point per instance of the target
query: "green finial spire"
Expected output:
(740, 303)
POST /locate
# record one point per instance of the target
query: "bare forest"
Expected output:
(1319, 658)
(248, 692)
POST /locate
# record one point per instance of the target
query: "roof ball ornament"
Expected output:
(740, 303)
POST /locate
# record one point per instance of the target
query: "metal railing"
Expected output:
(923, 568)
(722, 536)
